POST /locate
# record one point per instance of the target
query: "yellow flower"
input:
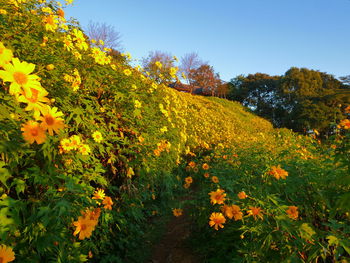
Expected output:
(158, 64)
(206, 175)
(278, 172)
(84, 149)
(215, 179)
(127, 72)
(192, 164)
(68, 42)
(51, 120)
(217, 197)
(242, 195)
(84, 227)
(18, 73)
(33, 132)
(205, 166)
(99, 194)
(6, 254)
(188, 180)
(137, 104)
(79, 39)
(75, 142)
(108, 203)
(217, 220)
(177, 212)
(255, 212)
(5, 55)
(66, 145)
(3, 12)
(35, 100)
(50, 67)
(51, 22)
(97, 136)
(292, 212)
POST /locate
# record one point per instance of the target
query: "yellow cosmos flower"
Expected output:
(66, 145)
(177, 212)
(51, 22)
(99, 194)
(18, 73)
(217, 220)
(79, 39)
(75, 142)
(33, 132)
(137, 104)
(127, 72)
(5, 55)
(68, 43)
(6, 254)
(217, 197)
(107, 203)
(51, 120)
(35, 100)
(97, 136)
(158, 64)
(84, 149)
(3, 12)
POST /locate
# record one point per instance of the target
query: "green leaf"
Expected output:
(4, 174)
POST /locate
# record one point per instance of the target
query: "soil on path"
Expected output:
(172, 246)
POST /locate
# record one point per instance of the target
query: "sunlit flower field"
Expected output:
(92, 151)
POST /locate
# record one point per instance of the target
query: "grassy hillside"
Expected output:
(92, 151)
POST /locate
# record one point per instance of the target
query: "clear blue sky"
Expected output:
(234, 36)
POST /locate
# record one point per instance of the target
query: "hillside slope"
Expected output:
(92, 151)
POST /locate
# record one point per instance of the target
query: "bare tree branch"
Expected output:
(104, 32)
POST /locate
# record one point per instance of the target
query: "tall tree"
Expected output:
(206, 78)
(190, 62)
(106, 33)
(160, 66)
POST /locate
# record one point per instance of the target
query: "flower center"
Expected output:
(1, 51)
(83, 227)
(49, 120)
(20, 78)
(34, 132)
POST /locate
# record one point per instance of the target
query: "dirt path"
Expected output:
(172, 245)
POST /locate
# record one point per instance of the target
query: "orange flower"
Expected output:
(206, 175)
(215, 179)
(186, 186)
(33, 132)
(217, 220)
(6, 254)
(347, 109)
(188, 180)
(84, 227)
(108, 203)
(205, 166)
(233, 211)
(177, 212)
(242, 195)
(35, 99)
(217, 197)
(192, 164)
(292, 212)
(255, 212)
(345, 124)
(278, 172)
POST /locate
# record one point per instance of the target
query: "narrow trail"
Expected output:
(172, 246)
